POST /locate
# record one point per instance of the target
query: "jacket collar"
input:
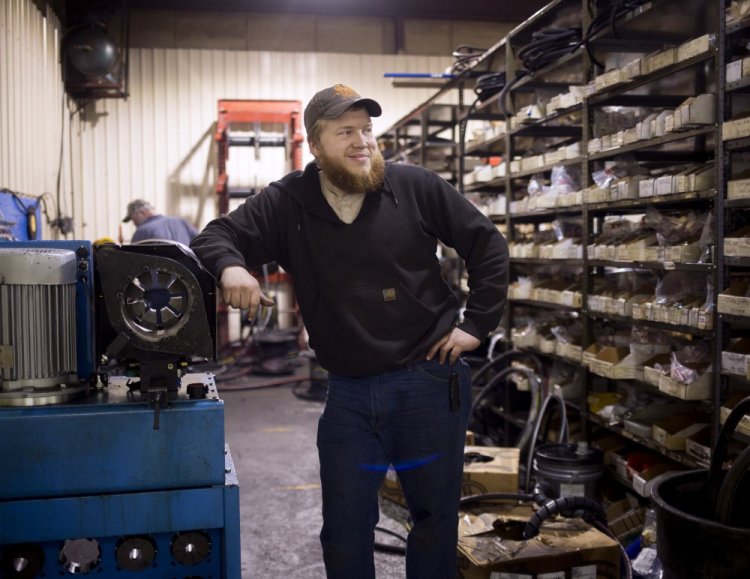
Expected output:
(304, 186)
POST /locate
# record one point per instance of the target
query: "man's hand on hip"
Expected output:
(452, 345)
(241, 290)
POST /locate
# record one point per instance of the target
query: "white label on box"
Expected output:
(499, 575)
(734, 363)
(734, 71)
(736, 129)
(586, 572)
(555, 575)
(738, 189)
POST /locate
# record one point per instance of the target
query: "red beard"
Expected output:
(343, 178)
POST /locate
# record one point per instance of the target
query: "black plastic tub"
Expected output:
(691, 544)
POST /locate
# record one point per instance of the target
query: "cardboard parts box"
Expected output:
(490, 546)
(496, 471)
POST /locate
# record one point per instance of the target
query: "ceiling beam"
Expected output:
(478, 10)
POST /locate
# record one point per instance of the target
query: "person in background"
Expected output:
(359, 239)
(151, 225)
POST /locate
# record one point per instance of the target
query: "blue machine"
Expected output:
(19, 216)
(128, 475)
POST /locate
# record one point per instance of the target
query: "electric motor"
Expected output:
(37, 324)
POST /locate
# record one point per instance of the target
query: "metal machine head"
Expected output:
(156, 313)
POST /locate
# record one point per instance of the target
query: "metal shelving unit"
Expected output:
(639, 32)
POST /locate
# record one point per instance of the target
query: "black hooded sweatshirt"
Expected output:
(371, 292)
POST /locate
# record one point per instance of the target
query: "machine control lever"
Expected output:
(157, 399)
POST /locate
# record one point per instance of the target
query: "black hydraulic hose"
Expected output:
(719, 454)
(388, 548)
(562, 436)
(543, 492)
(509, 84)
(566, 506)
(538, 366)
(608, 13)
(488, 85)
(534, 385)
(627, 569)
(466, 56)
(548, 45)
(484, 497)
(464, 123)
(571, 506)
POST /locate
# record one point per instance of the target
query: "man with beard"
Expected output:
(359, 239)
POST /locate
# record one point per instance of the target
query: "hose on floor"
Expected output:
(387, 547)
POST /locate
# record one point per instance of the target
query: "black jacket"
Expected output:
(371, 292)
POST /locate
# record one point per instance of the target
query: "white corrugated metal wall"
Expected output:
(32, 107)
(157, 144)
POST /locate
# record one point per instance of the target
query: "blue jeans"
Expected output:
(402, 418)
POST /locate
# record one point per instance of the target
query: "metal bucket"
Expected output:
(691, 544)
(570, 469)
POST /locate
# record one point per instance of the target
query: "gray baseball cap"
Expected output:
(332, 102)
(135, 206)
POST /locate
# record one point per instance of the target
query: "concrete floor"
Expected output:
(271, 435)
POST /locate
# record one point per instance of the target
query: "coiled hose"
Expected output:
(534, 385)
(608, 11)
(562, 436)
(549, 45)
(546, 47)
(587, 509)
(506, 356)
(466, 56)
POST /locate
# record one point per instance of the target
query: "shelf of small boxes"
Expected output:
(738, 189)
(485, 136)
(562, 156)
(737, 243)
(694, 317)
(651, 367)
(567, 249)
(645, 249)
(566, 201)
(653, 66)
(738, 74)
(487, 175)
(559, 293)
(639, 204)
(738, 128)
(662, 437)
(735, 300)
(655, 130)
(528, 339)
(735, 360)
(697, 181)
(613, 362)
(533, 117)
(656, 371)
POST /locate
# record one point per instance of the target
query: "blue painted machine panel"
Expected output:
(107, 444)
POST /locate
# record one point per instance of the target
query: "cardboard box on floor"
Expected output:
(498, 475)
(490, 546)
